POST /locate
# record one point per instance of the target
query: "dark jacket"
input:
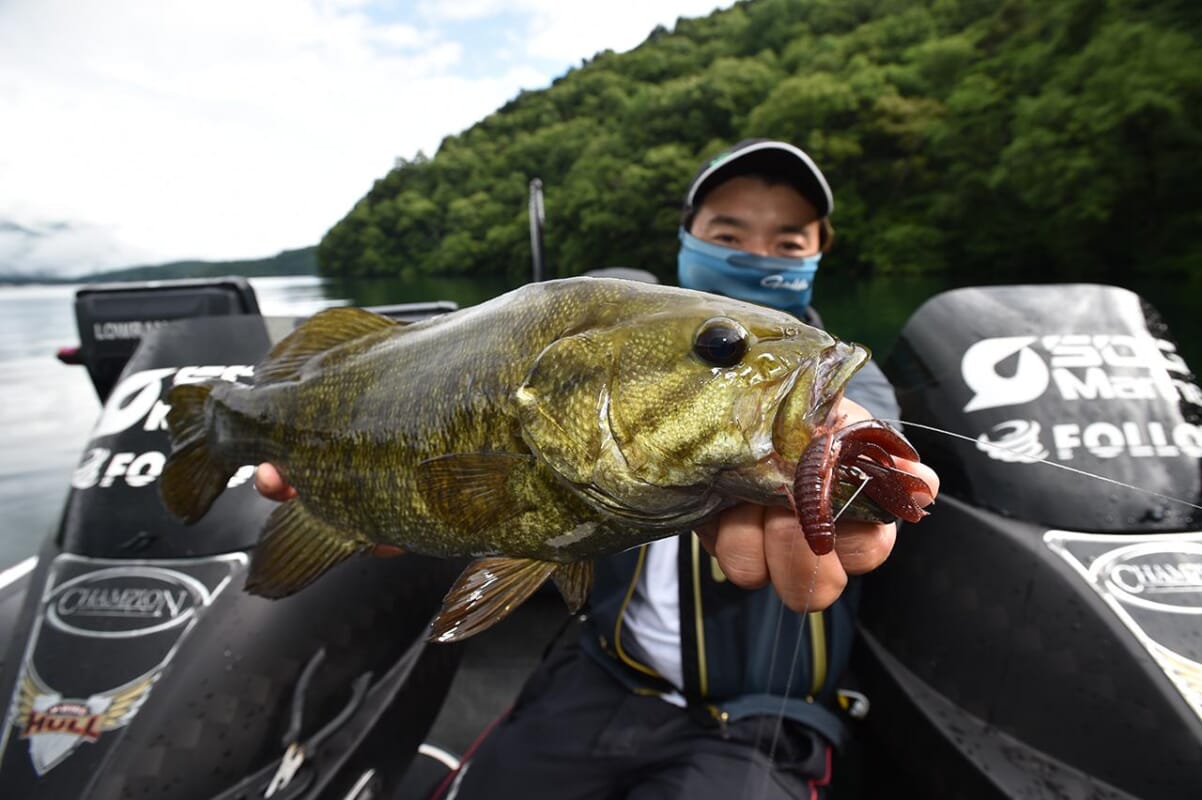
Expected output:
(734, 663)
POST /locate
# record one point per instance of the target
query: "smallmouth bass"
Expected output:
(555, 423)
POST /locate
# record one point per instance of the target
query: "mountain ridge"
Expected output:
(298, 261)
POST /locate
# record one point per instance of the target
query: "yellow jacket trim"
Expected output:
(622, 655)
(818, 648)
(702, 677)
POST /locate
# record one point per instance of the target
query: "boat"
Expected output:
(1040, 634)
(1037, 636)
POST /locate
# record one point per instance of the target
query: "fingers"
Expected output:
(271, 484)
(850, 411)
(757, 545)
(738, 544)
(861, 547)
(803, 580)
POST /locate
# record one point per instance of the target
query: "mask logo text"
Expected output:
(782, 282)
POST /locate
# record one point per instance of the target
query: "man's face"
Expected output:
(747, 214)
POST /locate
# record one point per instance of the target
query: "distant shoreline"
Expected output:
(302, 261)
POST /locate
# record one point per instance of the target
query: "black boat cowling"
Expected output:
(1039, 634)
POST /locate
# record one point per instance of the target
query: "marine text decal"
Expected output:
(137, 404)
(1012, 370)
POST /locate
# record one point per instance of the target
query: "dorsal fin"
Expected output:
(322, 331)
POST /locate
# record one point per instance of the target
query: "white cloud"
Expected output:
(227, 129)
(44, 249)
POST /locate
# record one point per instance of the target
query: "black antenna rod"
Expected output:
(536, 229)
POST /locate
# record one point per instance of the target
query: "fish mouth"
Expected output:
(816, 393)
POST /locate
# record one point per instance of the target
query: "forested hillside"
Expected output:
(288, 262)
(1058, 138)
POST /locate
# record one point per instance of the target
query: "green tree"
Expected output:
(1017, 138)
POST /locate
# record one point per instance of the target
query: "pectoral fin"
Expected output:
(296, 549)
(473, 491)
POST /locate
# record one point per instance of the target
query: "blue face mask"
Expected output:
(785, 283)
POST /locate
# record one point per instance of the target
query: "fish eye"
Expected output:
(721, 342)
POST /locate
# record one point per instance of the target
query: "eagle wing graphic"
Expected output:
(32, 686)
(1184, 672)
(127, 700)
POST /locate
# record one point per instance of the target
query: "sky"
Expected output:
(144, 131)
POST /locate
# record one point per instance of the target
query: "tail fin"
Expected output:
(191, 478)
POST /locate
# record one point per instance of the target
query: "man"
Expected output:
(684, 682)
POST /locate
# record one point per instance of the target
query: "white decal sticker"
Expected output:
(979, 368)
(1015, 440)
(127, 329)
(87, 474)
(131, 400)
(1158, 576)
(1078, 367)
(55, 726)
(1128, 439)
(138, 397)
(1021, 440)
(124, 602)
(1153, 583)
(110, 601)
(102, 468)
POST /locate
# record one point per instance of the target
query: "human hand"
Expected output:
(757, 545)
(271, 484)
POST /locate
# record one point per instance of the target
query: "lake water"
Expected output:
(47, 409)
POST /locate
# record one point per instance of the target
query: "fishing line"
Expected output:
(780, 717)
(1057, 465)
(780, 616)
(797, 643)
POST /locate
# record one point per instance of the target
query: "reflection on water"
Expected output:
(419, 290)
(47, 408)
(302, 295)
(292, 295)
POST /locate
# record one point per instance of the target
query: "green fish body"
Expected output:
(555, 423)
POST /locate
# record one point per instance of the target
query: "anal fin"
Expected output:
(296, 548)
(491, 588)
(485, 593)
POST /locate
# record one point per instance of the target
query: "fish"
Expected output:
(558, 422)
